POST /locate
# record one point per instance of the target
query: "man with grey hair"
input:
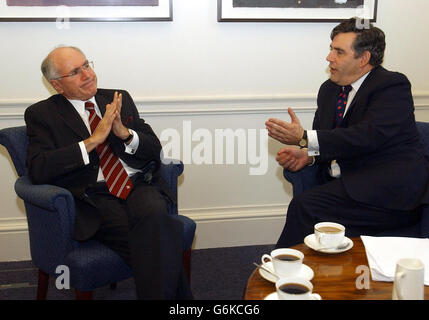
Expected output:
(92, 142)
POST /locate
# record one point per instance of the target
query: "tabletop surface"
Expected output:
(343, 276)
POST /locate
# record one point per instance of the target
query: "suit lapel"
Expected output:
(359, 94)
(349, 112)
(71, 118)
(329, 114)
(101, 103)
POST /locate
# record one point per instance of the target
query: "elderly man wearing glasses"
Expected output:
(92, 142)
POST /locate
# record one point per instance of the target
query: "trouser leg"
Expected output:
(156, 246)
(330, 202)
(142, 232)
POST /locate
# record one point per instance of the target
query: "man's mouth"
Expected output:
(88, 83)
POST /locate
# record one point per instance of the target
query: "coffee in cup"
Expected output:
(286, 262)
(329, 234)
(295, 288)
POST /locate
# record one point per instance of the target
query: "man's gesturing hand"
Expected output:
(293, 159)
(284, 132)
(117, 127)
(104, 126)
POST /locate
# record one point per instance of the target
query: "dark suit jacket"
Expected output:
(377, 145)
(55, 128)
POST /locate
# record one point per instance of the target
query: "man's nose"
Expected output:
(85, 73)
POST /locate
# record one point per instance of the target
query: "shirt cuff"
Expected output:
(313, 143)
(131, 148)
(85, 155)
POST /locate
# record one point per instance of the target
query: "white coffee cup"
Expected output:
(295, 288)
(409, 280)
(329, 234)
(286, 262)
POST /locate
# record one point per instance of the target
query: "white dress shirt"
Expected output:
(313, 141)
(131, 148)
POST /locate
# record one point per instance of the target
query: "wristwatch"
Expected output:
(127, 139)
(303, 143)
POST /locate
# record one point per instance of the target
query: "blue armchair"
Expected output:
(50, 214)
(306, 178)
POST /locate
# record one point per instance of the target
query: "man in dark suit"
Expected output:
(372, 172)
(92, 142)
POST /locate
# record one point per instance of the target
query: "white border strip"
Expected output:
(13, 109)
(13, 225)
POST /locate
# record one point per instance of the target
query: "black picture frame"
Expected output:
(114, 12)
(228, 13)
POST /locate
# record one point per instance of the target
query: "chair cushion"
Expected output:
(94, 265)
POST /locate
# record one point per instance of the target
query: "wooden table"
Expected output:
(334, 276)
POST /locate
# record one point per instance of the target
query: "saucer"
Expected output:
(275, 296)
(272, 296)
(306, 272)
(312, 243)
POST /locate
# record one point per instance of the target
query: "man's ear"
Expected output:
(57, 86)
(365, 58)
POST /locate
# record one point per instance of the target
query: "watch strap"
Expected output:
(303, 143)
(304, 136)
(127, 139)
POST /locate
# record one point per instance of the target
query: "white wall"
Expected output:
(216, 75)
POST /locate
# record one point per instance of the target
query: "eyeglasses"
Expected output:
(78, 70)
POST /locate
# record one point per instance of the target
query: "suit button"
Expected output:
(94, 167)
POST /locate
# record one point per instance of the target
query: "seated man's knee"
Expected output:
(301, 205)
(147, 208)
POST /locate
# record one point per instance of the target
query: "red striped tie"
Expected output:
(116, 177)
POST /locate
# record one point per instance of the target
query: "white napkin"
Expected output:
(384, 252)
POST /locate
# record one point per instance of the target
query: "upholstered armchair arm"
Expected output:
(50, 215)
(303, 179)
(171, 169)
(42, 195)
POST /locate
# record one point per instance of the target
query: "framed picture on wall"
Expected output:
(86, 10)
(295, 10)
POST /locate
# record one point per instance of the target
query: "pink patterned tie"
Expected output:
(117, 179)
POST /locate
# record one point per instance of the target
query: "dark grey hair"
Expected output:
(369, 38)
(48, 66)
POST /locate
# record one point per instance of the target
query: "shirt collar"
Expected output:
(79, 105)
(356, 85)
